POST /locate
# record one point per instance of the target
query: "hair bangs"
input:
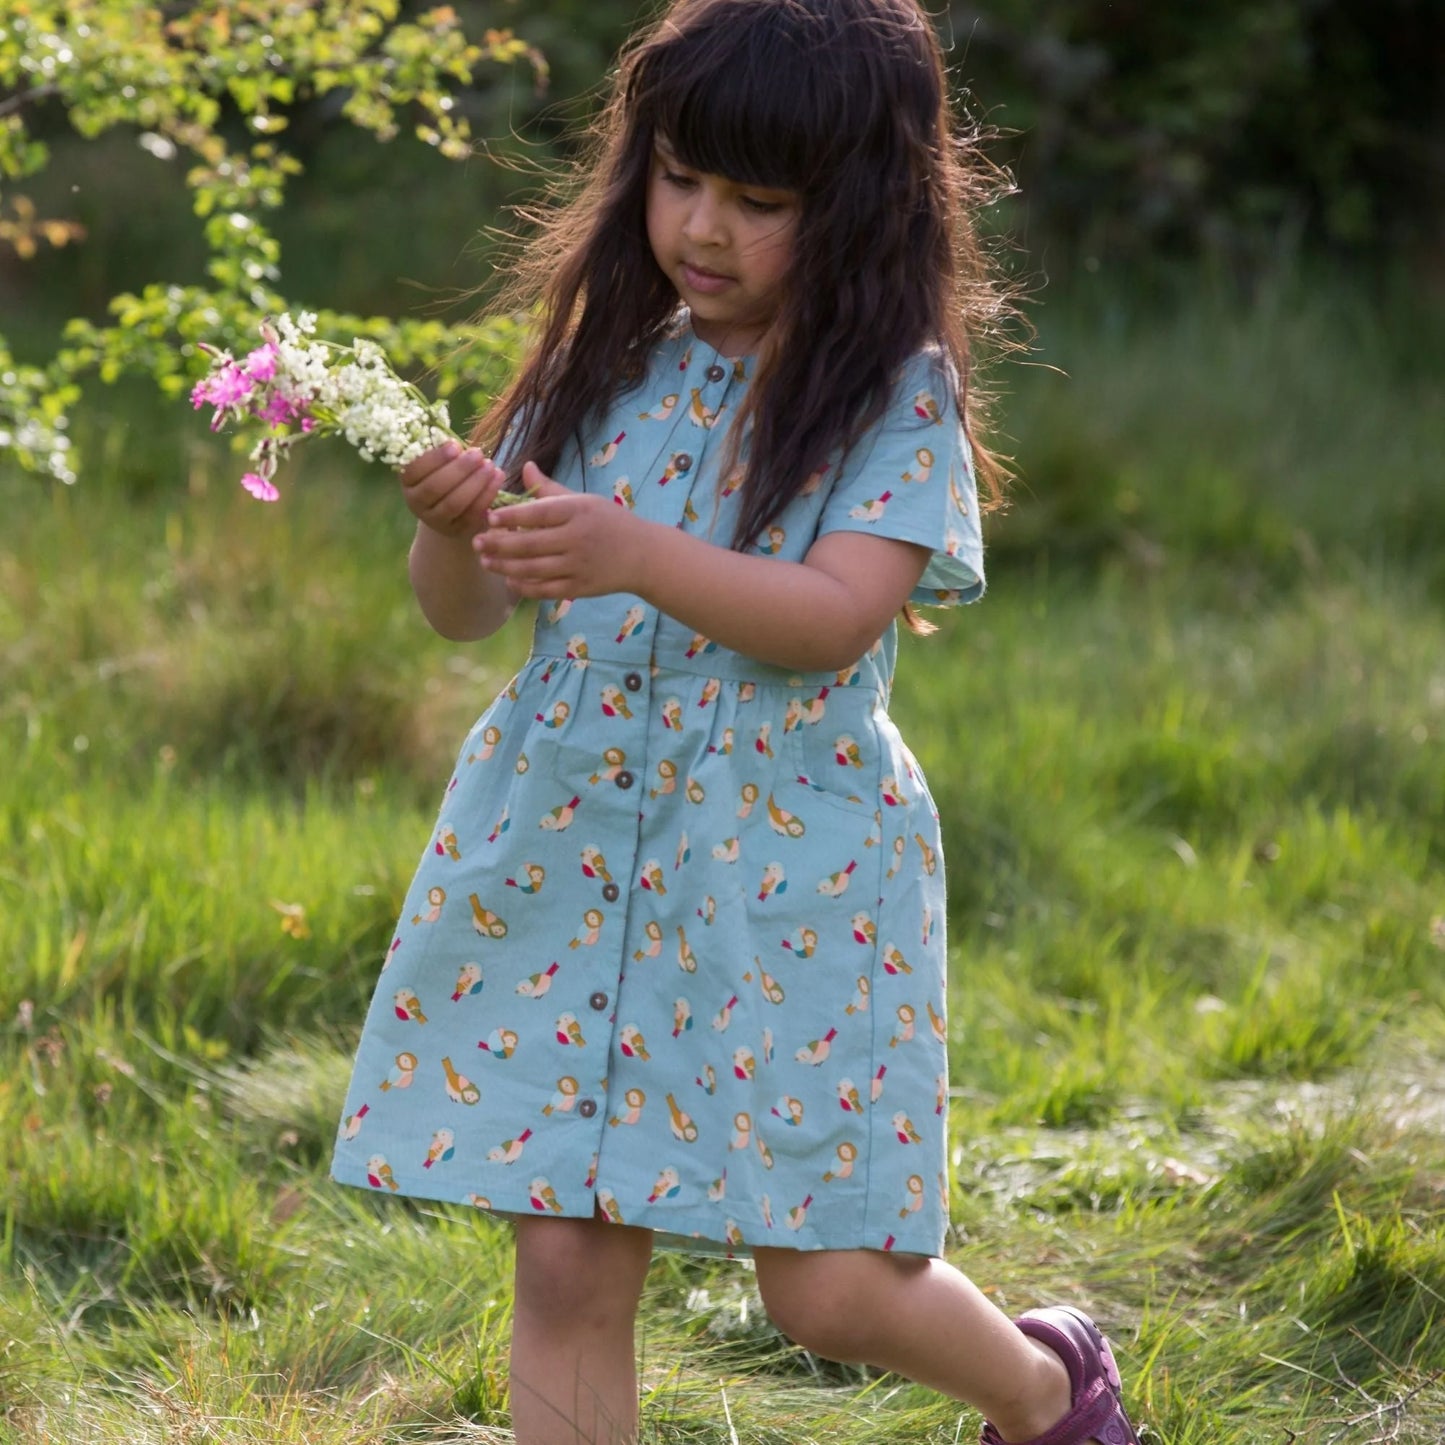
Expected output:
(741, 101)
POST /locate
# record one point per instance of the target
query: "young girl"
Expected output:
(673, 962)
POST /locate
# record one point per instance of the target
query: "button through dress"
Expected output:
(675, 953)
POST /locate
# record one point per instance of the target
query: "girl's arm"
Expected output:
(817, 615)
(449, 491)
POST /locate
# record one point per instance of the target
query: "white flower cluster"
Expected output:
(383, 417)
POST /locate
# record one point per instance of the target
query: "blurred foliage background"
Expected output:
(1242, 134)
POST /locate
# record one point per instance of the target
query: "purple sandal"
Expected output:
(1098, 1409)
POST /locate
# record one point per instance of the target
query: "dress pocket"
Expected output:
(839, 759)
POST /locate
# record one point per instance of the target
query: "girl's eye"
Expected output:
(762, 208)
(675, 178)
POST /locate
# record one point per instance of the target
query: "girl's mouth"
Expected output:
(706, 282)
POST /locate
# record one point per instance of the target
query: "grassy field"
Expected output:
(1190, 755)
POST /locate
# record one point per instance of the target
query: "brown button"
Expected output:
(625, 779)
(611, 892)
(683, 462)
(633, 682)
(587, 1108)
(598, 1001)
(715, 372)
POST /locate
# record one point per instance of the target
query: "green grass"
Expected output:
(1190, 756)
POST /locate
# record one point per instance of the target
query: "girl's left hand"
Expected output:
(561, 543)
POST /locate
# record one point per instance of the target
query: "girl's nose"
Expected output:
(703, 223)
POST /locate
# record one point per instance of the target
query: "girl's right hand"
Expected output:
(450, 489)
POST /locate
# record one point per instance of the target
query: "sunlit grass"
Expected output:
(1190, 765)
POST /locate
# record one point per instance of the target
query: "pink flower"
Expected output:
(279, 410)
(260, 365)
(259, 487)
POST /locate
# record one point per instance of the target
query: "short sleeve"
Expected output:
(910, 478)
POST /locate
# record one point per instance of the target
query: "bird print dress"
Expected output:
(674, 954)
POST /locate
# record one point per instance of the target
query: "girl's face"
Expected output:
(725, 246)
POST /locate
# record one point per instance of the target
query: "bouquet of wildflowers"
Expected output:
(297, 386)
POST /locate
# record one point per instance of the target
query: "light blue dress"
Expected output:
(675, 950)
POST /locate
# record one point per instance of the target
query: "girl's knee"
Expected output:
(580, 1272)
(820, 1301)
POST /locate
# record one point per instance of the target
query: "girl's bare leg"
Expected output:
(574, 1369)
(923, 1319)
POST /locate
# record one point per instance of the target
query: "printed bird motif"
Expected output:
(435, 898)
(577, 648)
(742, 1131)
(767, 1040)
(904, 1130)
(352, 1125)
(592, 921)
(708, 911)
(940, 1093)
(681, 1015)
(875, 1085)
(666, 1186)
(937, 1022)
(700, 646)
(734, 480)
(724, 746)
(763, 743)
(681, 1124)
(407, 1005)
(732, 1233)
(784, 823)
(789, 1110)
(772, 990)
(534, 874)
(846, 752)
(653, 931)
(802, 942)
(484, 921)
(930, 857)
(774, 880)
(707, 1080)
(926, 408)
(469, 982)
(865, 931)
(848, 1097)
(744, 1063)
(568, 1031)
(632, 1043)
(604, 457)
(500, 826)
(913, 1201)
(836, 884)
(718, 1188)
(460, 1089)
(710, 690)
(663, 409)
(651, 877)
(543, 1197)
(847, 1155)
(726, 851)
(861, 989)
(560, 817)
(748, 796)
(535, 985)
(872, 510)
(379, 1175)
(491, 736)
(894, 962)
(501, 1043)
(799, 1213)
(765, 1209)
(607, 1203)
(927, 925)
(555, 716)
(764, 1153)
(442, 1149)
(700, 414)
(892, 795)
(672, 470)
(666, 779)
(899, 844)
(509, 1150)
(686, 958)
(594, 865)
(446, 844)
(563, 1097)
(632, 621)
(906, 1016)
(724, 1016)
(815, 1051)
(635, 1099)
(671, 711)
(814, 481)
(922, 468)
(614, 703)
(684, 849)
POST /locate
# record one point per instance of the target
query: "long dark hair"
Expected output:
(843, 101)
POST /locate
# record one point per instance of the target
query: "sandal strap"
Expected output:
(1091, 1413)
